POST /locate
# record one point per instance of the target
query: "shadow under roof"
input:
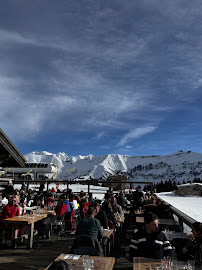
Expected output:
(10, 156)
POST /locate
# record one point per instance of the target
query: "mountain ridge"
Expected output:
(180, 166)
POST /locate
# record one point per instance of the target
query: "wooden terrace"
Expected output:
(43, 253)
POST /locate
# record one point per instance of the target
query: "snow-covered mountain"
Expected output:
(178, 166)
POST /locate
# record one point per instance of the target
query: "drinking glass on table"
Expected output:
(190, 265)
(166, 263)
(179, 265)
(88, 264)
(91, 263)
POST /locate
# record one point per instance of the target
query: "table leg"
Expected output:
(14, 234)
(31, 235)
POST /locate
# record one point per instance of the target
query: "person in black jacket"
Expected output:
(149, 241)
(193, 250)
(100, 215)
(9, 190)
(140, 203)
(121, 200)
(137, 194)
(109, 213)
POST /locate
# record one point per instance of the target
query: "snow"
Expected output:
(179, 166)
(189, 205)
(189, 184)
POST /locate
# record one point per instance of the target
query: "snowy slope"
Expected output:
(178, 166)
(189, 205)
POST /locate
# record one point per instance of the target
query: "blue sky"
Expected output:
(101, 77)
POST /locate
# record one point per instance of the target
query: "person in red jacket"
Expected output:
(53, 190)
(10, 210)
(51, 200)
(60, 209)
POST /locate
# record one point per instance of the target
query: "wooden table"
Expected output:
(100, 263)
(46, 211)
(162, 221)
(29, 220)
(138, 213)
(141, 263)
(107, 232)
(167, 221)
(172, 235)
(120, 219)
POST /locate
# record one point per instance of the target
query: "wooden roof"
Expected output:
(117, 178)
(10, 156)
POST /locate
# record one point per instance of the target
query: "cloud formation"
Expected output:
(135, 134)
(99, 74)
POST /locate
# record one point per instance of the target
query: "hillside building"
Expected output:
(122, 178)
(14, 164)
(189, 189)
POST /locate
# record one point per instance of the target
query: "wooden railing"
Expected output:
(85, 182)
(183, 218)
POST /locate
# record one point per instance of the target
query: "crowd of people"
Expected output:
(17, 202)
(148, 241)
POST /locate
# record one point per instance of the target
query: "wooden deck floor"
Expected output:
(44, 253)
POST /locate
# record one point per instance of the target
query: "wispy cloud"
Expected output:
(135, 134)
(88, 69)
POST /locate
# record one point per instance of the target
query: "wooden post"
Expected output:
(27, 186)
(47, 185)
(67, 184)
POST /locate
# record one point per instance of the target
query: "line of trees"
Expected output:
(169, 185)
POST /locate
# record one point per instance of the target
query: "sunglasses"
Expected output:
(13, 200)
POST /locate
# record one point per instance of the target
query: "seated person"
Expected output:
(4, 201)
(69, 209)
(51, 200)
(152, 200)
(73, 201)
(10, 210)
(129, 195)
(194, 250)
(131, 215)
(100, 215)
(109, 213)
(60, 209)
(141, 203)
(23, 207)
(53, 190)
(149, 241)
(121, 200)
(137, 194)
(132, 208)
(117, 209)
(90, 225)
